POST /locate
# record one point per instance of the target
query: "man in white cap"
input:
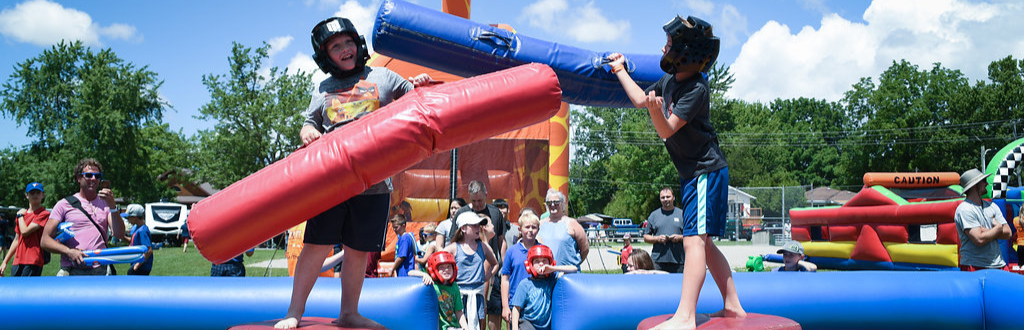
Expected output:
(980, 225)
(793, 259)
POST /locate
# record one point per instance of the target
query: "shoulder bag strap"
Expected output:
(78, 205)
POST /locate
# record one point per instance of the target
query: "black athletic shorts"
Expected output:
(360, 223)
(494, 300)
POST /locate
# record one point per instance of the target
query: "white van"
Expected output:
(165, 218)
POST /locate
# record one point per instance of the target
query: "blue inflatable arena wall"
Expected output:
(465, 48)
(826, 300)
(162, 302)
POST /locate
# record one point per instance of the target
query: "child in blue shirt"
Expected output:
(405, 248)
(513, 269)
(136, 216)
(532, 300)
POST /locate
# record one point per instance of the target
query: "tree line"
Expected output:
(78, 102)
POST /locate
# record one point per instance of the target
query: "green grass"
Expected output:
(170, 261)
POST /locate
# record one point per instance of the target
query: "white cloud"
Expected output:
(729, 24)
(820, 63)
(361, 16)
(121, 31)
(592, 26)
(700, 7)
(304, 62)
(545, 13)
(45, 23)
(584, 24)
(278, 44)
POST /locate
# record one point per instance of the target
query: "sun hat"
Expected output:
(792, 246)
(469, 218)
(970, 178)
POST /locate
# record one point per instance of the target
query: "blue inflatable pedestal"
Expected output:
(751, 322)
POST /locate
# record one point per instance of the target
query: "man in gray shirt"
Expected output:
(665, 231)
(980, 225)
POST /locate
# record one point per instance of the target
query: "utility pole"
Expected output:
(982, 159)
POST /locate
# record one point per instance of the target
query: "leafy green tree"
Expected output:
(258, 117)
(80, 103)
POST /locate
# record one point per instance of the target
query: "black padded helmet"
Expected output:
(323, 32)
(694, 47)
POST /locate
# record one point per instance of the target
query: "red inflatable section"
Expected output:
(307, 323)
(345, 162)
(751, 322)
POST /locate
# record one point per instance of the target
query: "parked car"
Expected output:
(164, 219)
(623, 226)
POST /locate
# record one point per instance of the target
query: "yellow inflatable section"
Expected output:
(932, 254)
(840, 249)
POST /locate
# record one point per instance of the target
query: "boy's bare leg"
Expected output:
(722, 273)
(352, 271)
(307, 268)
(493, 322)
(694, 271)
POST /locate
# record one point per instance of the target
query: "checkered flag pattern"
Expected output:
(1002, 176)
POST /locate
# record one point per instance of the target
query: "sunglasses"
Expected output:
(428, 234)
(91, 175)
(553, 203)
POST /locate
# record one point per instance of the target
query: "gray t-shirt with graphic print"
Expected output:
(337, 102)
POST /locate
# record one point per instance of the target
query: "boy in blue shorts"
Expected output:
(679, 106)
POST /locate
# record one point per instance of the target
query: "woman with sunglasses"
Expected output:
(566, 238)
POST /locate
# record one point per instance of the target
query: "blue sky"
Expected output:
(776, 48)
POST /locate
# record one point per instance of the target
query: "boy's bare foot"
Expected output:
(675, 323)
(728, 312)
(358, 322)
(287, 323)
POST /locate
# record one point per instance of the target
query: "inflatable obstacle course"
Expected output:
(899, 221)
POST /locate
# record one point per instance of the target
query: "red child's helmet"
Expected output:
(538, 251)
(437, 259)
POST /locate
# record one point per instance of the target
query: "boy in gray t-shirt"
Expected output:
(359, 223)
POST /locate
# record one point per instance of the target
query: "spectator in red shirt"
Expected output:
(624, 253)
(28, 256)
